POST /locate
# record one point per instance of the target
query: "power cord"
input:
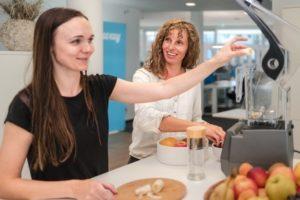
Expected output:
(296, 151)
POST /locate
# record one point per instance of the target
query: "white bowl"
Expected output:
(216, 152)
(172, 155)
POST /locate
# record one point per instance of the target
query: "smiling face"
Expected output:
(175, 46)
(72, 45)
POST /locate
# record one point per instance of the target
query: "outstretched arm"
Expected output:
(129, 92)
(13, 151)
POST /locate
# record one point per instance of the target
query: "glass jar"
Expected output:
(197, 150)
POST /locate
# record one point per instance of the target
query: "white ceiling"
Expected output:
(226, 18)
(216, 12)
(210, 18)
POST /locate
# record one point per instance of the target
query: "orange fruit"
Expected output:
(169, 141)
(245, 168)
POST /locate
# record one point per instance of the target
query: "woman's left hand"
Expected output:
(214, 133)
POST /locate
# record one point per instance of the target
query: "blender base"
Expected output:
(259, 147)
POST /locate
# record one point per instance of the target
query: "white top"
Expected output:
(186, 106)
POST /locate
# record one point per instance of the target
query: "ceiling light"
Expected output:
(190, 4)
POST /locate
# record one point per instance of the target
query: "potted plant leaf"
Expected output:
(17, 32)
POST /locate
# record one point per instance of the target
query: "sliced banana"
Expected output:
(157, 186)
(143, 190)
(150, 190)
(153, 196)
(249, 51)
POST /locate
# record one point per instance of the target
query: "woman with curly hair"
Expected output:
(175, 51)
(59, 122)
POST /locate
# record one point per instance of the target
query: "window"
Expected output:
(147, 37)
(254, 35)
(209, 37)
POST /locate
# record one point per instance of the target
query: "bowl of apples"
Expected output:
(279, 182)
(172, 150)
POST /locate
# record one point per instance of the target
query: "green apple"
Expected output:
(279, 187)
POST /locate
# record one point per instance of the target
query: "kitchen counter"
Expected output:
(150, 168)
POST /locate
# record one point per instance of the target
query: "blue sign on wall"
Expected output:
(114, 60)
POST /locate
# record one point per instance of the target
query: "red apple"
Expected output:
(242, 184)
(180, 144)
(298, 190)
(284, 170)
(259, 176)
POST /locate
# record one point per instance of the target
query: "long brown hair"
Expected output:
(156, 61)
(54, 140)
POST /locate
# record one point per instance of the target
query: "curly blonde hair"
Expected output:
(156, 61)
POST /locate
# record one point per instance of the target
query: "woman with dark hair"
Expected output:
(60, 122)
(175, 51)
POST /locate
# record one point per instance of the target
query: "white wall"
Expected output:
(131, 18)
(14, 67)
(13, 77)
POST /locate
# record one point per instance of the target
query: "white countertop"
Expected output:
(151, 168)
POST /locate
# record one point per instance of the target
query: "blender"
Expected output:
(266, 135)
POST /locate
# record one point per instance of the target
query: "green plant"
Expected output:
(21, 9)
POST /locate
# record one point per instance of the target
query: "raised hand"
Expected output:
(230, 50)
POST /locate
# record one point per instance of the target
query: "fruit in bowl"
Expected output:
(280, 187)
(172, 150)
(180, 143)
(245, 168)
(221, 190)
(244, 186)
(169, 141)
(258, 175)
(173, 142)
(297, 174)
(279, 182)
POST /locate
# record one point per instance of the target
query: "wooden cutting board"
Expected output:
(172, 190)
